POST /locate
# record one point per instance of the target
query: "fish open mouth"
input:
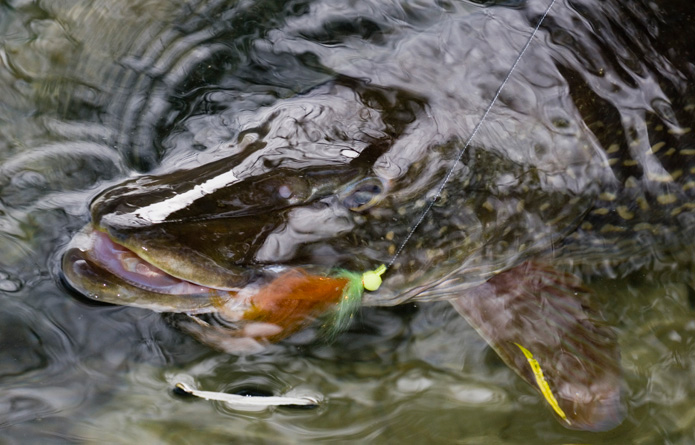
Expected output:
(125, 264)
(106, 271)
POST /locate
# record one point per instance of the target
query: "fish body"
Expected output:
(487, 199)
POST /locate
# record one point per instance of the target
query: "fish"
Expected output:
(494, 181)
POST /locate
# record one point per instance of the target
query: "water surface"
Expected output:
(96, 92)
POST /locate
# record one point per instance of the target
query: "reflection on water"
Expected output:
(94, 92)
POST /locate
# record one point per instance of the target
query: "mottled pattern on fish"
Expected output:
(639, 208)
(649, 146)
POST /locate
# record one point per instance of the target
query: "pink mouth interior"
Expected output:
(125, 264)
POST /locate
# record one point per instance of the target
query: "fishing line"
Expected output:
(450, 172)
(356, 283)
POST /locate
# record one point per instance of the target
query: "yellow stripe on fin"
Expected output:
(542, 383)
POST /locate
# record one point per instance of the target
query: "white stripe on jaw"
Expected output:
(159, 211)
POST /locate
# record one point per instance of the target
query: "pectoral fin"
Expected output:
(538, 321)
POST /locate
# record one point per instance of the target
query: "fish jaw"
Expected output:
(253, 315)
(106, 271)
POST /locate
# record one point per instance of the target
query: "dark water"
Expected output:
(94, 92)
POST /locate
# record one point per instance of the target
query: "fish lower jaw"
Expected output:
(105, 271)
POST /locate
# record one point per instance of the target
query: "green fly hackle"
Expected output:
(351, 298)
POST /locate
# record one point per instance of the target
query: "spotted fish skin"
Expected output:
(637, 205)
(646, 132)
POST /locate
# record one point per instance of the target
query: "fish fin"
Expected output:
(539, 322)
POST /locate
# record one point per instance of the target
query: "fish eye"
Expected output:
(364, 194)
(284, 191)
(291, 189)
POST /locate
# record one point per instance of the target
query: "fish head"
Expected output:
(210, 226)
(276, 208)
